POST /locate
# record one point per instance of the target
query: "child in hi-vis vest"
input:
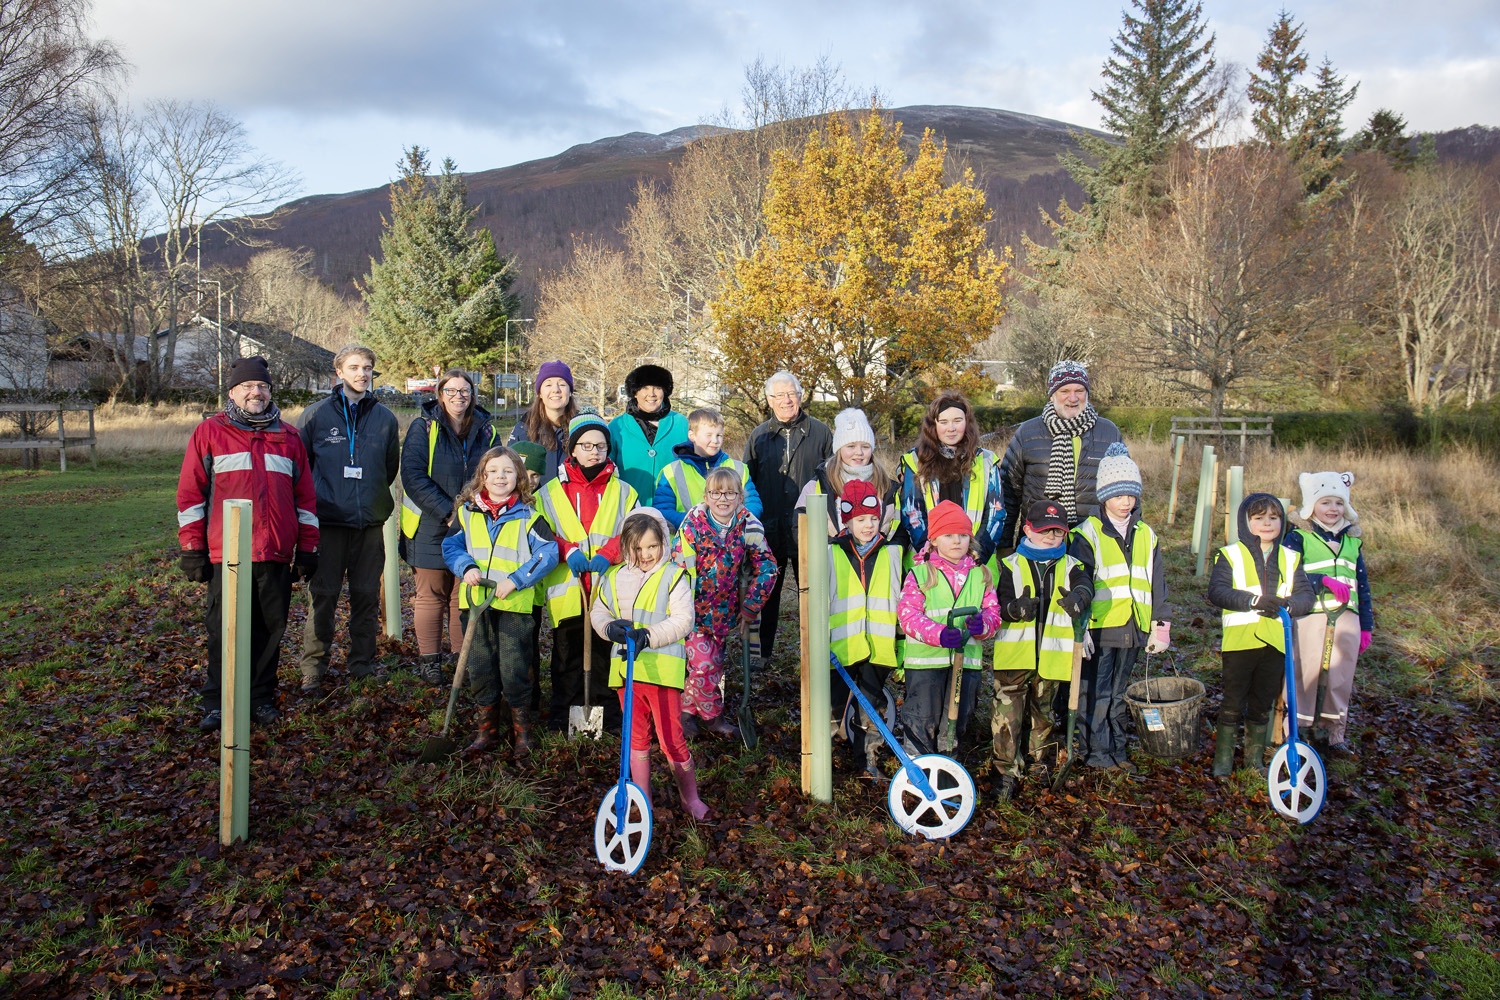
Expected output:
(1043, 591)
(1333, 558)
(945, 575)
(1252, 580)
(1122, 555)
(496, 534)
(864, 586)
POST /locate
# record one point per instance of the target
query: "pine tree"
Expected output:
(1159, 91)
(1320, 144)
(1386, 133)
(1280, 102)
(441, 293)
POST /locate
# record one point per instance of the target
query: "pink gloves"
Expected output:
(1338, 588)
(1161, 638)
(1364, 640)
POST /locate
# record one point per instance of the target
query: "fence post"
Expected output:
(1234, 492)
(819, 711)
(1203, 519)
(390, 578)
(1176, 473)
(234, 604)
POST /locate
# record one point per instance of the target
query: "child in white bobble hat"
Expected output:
(853, 458)
(1333, 557)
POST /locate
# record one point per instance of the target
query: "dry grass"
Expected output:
(125, 429)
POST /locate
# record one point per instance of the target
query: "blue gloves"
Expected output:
(598, 564)
(952, 638)
(578, 562)
(975, 625)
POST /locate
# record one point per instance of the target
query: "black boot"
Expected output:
(431, 670)
(487, 738)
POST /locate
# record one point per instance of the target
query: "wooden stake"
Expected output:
(806, 652)
(390, 578)
(1176, 474)
(234, 604)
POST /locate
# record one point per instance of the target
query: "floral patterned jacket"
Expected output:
(718, 561)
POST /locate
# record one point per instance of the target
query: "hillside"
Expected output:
(535, 208)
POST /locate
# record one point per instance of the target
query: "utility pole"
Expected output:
(218, 328)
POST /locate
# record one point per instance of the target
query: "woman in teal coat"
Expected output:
(642, 438)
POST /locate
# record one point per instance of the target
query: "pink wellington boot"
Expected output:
(687, 789)
(640, 771)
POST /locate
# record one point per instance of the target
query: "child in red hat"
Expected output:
(945, 575)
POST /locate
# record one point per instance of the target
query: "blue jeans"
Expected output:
(1102, 715)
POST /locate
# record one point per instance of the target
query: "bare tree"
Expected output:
(277, 288)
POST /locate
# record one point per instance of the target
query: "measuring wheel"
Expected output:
(623, 847)
(948, 812)
(1297, 796)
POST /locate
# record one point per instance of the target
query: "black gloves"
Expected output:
(1022, 609)
(1077, 603)
(304, 565)
(195, 565)
(1269, 607)
(641, 637)
(617, 630)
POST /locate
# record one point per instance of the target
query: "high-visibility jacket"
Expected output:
(974, 496)
(1319, 557)
(1251, 629)
(1122, 588)
(510, 550)
(938, 599)
(411, 514)
(1018, 647)
(564, 594)
(863, 622)
(665, 665)
(688, 484)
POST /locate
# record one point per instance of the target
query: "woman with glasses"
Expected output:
(442, 451)
(546, 422)
(586, 504)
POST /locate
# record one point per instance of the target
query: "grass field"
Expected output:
(370, 875)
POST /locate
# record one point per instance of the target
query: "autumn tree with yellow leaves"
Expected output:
(873, 273)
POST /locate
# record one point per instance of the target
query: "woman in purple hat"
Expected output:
(546, 423)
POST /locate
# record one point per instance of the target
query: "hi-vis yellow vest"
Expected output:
(1251, 629)
(1319, 557)
(979, 479)
(510, 551)
(1122, 589)
(1017, 647)
(937, 602)
(563, 591)
(411, 514)
(863, 622)
(688, 485)
(666, 665)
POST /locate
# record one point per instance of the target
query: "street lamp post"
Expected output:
(218, 331)
(508, 322)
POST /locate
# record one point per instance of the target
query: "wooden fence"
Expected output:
(1220, 430)
(29, 444)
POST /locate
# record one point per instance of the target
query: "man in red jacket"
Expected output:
(247, 453)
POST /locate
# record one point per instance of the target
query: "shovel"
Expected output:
(586, 719)
(441, 747)
(747, 718)
(1080, 629)
(947, 745)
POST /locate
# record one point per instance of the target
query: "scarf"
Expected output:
(864, 472)
(634, 409)
(1122, 525)
(492, 507)
(256, 421)
(1041, 555)
(1062, 474)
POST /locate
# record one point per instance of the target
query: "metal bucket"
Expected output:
(1166, 712)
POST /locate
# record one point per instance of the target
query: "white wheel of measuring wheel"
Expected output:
(623, 847)
(1298, 796)
(938, 818)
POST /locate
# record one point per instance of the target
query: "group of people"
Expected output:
(642, 530)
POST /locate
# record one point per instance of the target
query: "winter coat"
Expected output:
(629, 579)
(557, 450)
(665, 500)
(820, 484)
(782, 458)
(539, 539)
(639, 461)
(226, 460)
(719, 559)
(1221, 591)
(1023, 472)
(329, 433)
(911, 609)
(583, 499)
(454, 463)
(1126, 636)
(1294, 541)
(913, 500)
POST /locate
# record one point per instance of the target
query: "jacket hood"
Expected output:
(685, 452)
(666, 534)
(1243, 523)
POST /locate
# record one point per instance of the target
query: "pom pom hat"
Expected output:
(850, 427)
(1118, 473)
(1317, 485)
(1067, 373)
(948, 518)
(858, 498)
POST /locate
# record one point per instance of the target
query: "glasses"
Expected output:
(457, 393)
(587, 446)
(782, 397)
(722, 494)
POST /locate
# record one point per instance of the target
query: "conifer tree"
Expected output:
(1321, 142)
(1280, 101)
(1386, 133)
(441, 293)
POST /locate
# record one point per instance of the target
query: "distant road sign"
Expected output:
(421, 384)
(512, 381)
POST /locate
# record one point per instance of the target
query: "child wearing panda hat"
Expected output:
(1333, 557)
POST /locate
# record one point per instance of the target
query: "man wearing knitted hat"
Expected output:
(1055, 456)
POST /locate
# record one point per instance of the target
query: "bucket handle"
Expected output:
(1146, 661)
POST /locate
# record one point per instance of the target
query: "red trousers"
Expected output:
(661, 706)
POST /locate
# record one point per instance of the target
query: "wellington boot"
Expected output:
(1255, 748)
(640, 771)
(689, 723)
(1224, 750)
(520, 731)
(487, 737)
(687, 789)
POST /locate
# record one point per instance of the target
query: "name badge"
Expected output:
(353, 472)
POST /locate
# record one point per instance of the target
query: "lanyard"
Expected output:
(349, 425)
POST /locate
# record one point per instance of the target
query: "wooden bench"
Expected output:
(61, 442)
(1221, 429)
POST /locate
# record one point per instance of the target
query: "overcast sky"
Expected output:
(336, 88)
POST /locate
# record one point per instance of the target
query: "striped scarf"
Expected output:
(1062, 474)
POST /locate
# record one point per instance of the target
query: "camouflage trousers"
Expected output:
(1022, 715)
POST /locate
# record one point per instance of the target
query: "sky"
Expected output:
(335, 89)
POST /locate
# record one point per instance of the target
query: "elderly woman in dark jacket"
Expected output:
(1056, 456)
(439, 457)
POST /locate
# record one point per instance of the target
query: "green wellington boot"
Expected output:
(1224, 750)
(1255, 747)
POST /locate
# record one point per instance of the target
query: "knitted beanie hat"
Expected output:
(533, 456)
(948, 518)
(585, 422)
(251, 369)
(1317, 485)
(1118, 473)
(553, 369)
(851, 426)
(858, 498)
(1067, 373)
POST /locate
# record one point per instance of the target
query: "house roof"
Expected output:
(285, 345)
